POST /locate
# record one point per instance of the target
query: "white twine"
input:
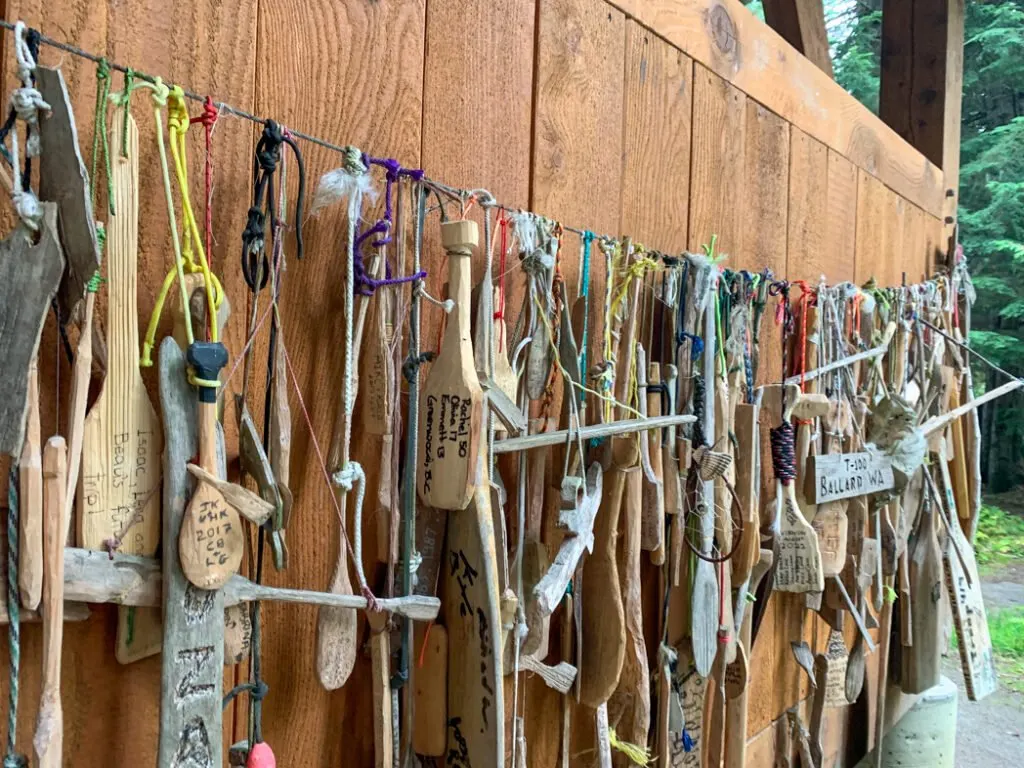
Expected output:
(26, 103)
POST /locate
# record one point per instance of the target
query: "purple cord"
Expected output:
(365, 285)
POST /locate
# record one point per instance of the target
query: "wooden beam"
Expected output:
(802, 24)
(921, 87)
(726, 38)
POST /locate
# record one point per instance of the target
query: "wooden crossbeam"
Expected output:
(94, 577)
(802, 24)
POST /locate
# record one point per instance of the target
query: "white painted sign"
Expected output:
(838, 476)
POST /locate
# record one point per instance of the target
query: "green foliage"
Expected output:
(999, 537)
(991, 198)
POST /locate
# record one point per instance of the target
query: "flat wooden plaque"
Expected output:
(836, 476)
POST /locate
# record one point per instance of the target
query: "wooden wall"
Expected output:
(670, 120)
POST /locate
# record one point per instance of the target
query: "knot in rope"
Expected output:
(783, 444)
(28, 208)
(268, 151)
(257, 691)
(349, 475)
(209, 116)
(413, 363)
(27, 102)
(160, 92)
(177, 113)
(252, 235)
(484, 198)
(26, 50)
(353, 161)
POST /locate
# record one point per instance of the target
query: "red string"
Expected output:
(208, 120)
(500, 314)
(806, 300)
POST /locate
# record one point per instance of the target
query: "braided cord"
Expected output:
(12, 759)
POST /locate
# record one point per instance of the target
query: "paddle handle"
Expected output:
(49, 737)
(207, 359)
(458, 239)
(30, 483)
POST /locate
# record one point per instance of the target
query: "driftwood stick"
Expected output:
(49, 737)
(94, 577)
(938, 422)
(843, 362)
(250, 506)
(612, 428)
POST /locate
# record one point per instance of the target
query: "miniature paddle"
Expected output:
(630, 706)
(797, 559)
(81, 374)
(921, 663)
(452, 400)
(49, 737)
(430, 691)
(118, 499)
(211, 541)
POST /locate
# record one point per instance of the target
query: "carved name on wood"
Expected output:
(836, 476)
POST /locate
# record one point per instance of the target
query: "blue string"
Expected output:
(588, 238)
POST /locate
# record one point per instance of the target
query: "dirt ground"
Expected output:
(990, 733)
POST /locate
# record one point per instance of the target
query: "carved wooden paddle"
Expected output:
(30, 271)
(118, 493)
(629, 708)
(49, 736)
(211, 542)
(452, 400)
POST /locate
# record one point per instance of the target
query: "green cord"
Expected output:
(99, 137)
(129, 78)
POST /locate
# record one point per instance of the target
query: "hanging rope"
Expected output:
(11, 758)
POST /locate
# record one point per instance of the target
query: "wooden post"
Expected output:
(920, 93)
(802, 24)
(193, 639)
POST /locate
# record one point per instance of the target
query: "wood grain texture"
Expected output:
(806, 240)
(723, 36)
(656, 143)
(365, 62)
(720, 115)
(871, 224)
(841, 230)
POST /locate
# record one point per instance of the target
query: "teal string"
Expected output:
(588, 238)
(12, 759)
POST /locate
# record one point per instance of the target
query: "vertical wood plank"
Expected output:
(841, 232)
(870, 229)
(656, 146)
(352, 72)
(764, 190)
(716, 175)
(806, 250)
(577, 179)
(894, 215)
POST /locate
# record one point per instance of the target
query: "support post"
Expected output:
(802, 24)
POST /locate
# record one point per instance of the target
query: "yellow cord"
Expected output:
(184, 260)
(637, 754)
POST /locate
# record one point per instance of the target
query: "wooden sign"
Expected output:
(63, 180)
(836, 476)
(29, 276)
(836, 656)
(451, 404)
(797, 556)
(685, 745)
(118, 491)
(969, 618)
(748, 483)
(476, 711)
(193, 629)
